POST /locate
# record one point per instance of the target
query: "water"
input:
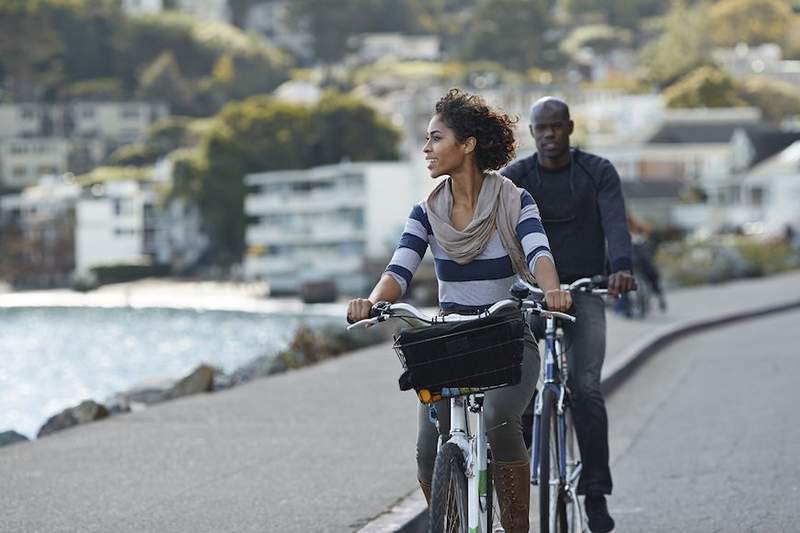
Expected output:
(53, 358)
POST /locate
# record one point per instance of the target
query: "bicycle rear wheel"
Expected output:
(552, 503)
(448, 512)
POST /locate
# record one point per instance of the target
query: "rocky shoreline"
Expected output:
(308, 346)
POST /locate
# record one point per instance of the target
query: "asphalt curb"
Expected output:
(409, 514)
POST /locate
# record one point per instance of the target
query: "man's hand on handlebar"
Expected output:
(558, 300)
(620, 283)
(358, 309)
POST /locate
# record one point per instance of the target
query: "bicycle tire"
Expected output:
(548, 470)
(489, 493)
(448, 512)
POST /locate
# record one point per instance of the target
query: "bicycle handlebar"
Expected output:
(384, 310)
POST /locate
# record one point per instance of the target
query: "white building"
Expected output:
(44, 139)
(768, 194)
(214, 10)
(43, 218)
(115, 225)
(128, 222)
(763, 60)
(397, 46)
(323, 223)
(25, 160)
(142, 7)
(271, 19)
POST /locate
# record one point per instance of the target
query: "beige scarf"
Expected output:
(498, 206)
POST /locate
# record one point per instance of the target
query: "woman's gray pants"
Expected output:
(502, 412)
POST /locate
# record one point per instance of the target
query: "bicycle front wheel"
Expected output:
(552, 505)
(448, 512)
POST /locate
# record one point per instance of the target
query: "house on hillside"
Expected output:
(767, 194)
(37, 231)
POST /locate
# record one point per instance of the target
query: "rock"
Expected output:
(7, 438)
(146, 393)
(262, 366)
(200, 380)
(87, 411)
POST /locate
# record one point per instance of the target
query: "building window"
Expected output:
(122, 207)
(124, 232)
(27, 113)
(19, 149)
(130, 112)
(20, 171)
(47, 170)
(88, 112)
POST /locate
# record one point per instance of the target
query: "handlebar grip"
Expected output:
(600, 282)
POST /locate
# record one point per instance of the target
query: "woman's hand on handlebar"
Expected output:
(558, 300)
(358, 309)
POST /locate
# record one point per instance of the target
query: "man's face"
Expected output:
(551, 130)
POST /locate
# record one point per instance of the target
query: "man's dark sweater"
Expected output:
(581, 216)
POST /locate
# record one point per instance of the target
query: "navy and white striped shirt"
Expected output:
(484, 280)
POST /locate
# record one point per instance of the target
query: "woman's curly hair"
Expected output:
(468, 115)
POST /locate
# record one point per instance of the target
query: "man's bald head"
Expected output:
(551, 127)
(551, 106)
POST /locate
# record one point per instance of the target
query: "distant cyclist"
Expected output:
(583, 212)
(483, 232)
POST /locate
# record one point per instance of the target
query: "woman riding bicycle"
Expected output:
(484, 232)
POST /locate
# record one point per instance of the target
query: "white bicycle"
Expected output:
(462, 496)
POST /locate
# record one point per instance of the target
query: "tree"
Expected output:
(332, 23)
(599, 37)
(163, 80)
(625, 13)
(682, 46)
(29, 50)
(704, 87)
(261, 134)
(777, 100)
(508, 32)
(750, 21)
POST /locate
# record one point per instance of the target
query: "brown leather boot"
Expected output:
(513, 486)
(426, 491)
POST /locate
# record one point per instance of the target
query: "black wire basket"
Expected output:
(458, 358)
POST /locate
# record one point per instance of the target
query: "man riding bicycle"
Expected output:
(583, 213)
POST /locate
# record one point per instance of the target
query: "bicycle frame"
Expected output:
(474, 447)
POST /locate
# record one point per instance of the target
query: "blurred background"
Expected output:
(260, 154)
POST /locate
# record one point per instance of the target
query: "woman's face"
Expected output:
(442, 150)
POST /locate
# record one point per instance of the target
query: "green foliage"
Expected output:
(682, 46)
(508, 32)
(777, 100)
(163, 80)
(332, 23)
(704, 87)
(625, 13)
(98, 89)
(710, 87)
(723, 258)
(750, 21)
(600, 37)
(261, 134)
(61, 48)
(30, 60)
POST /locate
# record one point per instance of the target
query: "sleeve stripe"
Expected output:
(536, 251)
(416, 228)
(400, 271)
(526, 199)
(413, 242)
(528, 226)
(419, 214)
(406, 258)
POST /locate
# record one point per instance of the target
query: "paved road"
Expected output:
(706, 437)
(321, 449)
